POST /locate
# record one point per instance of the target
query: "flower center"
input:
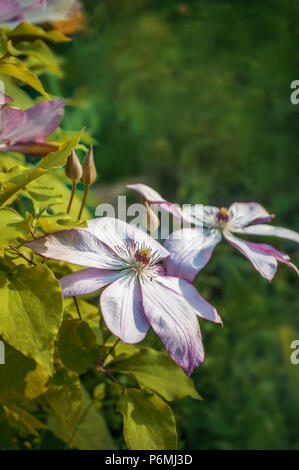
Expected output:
(143, 256)
(140, 259)
(223, 215)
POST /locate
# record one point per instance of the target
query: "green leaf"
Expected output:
(77, 346)
(16, 69)
(22, 420)
(89, 313)
(31, 312)
(24, 30)
(12, 182)
(156, 371)
(13, 226)
(65, 399)
(40, 57)
(5, 438)
(42, 197)
(36, 381)
(58, 158)
(91, 432)
(149, 422)
(13, 374)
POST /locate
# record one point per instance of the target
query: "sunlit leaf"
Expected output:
(149, 422)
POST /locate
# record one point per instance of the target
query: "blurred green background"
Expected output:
(193, 98)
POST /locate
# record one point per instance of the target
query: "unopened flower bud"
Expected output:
(73, 168)
(89, 169)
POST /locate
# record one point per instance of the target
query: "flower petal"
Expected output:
(115, 233)
(122, 309)
(174, 321)
(76, 246)
(200, 306)
(55, 10)
(244, 213)
(12, 10)
(87, 281)
(153, 197)
(271, 231)
(34, 124)
(190, 250)
(265, 263)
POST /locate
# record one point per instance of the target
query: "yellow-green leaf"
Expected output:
(31, 312)
(149, 422)
(156, 371)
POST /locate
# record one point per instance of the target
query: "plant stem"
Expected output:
(111, 377)
(83, 201)
(77, 307)
(110, 350)
(72, 197)
(21, 254)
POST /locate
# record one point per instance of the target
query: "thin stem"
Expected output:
(110, 350)
(83, 201)
(21, 254)
(72, 197)
(111, 377)
(77, 307)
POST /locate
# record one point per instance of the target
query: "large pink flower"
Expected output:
(37, 11)
(191, 248)
(140, 294)
(25, 131)
(13, 10)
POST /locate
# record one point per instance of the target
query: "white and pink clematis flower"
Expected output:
(12, 11)
(36, 11)
(25, 131)
(139, 292)
(191, 248)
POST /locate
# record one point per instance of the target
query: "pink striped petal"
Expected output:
(271, 231)
(32, 125)
(200, 306)
(13, 10)
(174, 321)
(115, 233)
(190, 250)
(244, 213)
(265, 263)
(87, 281)
(122, 310)
(76, 246)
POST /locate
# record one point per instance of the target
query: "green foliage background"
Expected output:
(193, 98)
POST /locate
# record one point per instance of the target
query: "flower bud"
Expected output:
(73, 168)
(89, 170)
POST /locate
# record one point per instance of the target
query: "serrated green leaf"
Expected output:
(156, 371)
(149, 422)
(31, 312)
(77, 346)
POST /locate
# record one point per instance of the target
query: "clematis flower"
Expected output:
(38, 11)
(12, 11)
(191, 248)
(139, 293)
(25, 131)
